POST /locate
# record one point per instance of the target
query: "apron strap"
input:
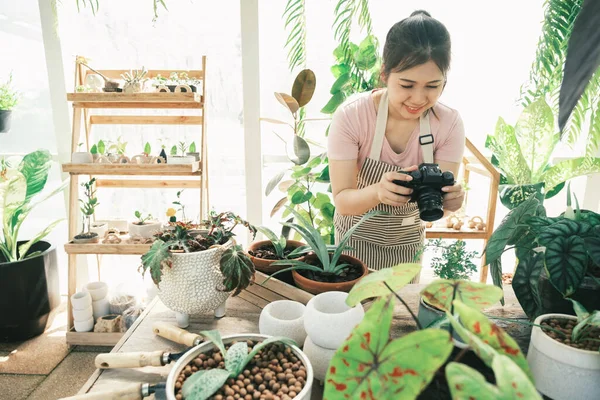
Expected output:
(426, 139)
(382, 114)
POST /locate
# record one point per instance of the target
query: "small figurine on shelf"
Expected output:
(453, 222)
(477, 223)
(88, 207)
(134, 80)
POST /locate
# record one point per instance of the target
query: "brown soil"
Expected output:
(566, 326)
(275, 373)
(88, 235)
(267, 252)
(350, 273)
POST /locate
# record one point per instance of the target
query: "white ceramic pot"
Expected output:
(560, 371)
(82, 157)
(99, 228)
(84, 326)
(192, 285)
(283, 318)
(181, 159)
(98, 290)
(319, 357)
(100, 308)
(83, 315)
(204, 347)
(328, 320)
(81, 301)
(146, 231)
(195, 154)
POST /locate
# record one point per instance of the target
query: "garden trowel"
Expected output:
(136, 391)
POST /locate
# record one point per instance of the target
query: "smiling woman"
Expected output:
(378, 134)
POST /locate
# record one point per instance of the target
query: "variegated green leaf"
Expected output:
(440, 294)
(236, 358)
(215, 337)
(507, 150)
(202, 385)
(35, 167)
(569, 169)
(466, 383)
(512, 381)
(374, 284)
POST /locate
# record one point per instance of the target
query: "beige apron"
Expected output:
(386, 240)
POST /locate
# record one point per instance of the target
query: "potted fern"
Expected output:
(29, 289)
(196, 272)
(8, 100)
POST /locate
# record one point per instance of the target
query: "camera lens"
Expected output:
(430, 204)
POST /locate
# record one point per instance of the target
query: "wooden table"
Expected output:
(242, 317)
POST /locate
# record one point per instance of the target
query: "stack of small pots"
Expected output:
(89, 305)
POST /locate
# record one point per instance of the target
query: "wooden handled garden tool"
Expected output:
(177, 335)
(135, 391)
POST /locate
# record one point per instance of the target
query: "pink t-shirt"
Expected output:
(353, 128)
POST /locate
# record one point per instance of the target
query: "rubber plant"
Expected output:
(371, 365)
(20, 192)
(235, 265)
(202, 384)
(523, 155)
(565, 246)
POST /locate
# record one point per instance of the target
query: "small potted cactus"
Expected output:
(134, 80)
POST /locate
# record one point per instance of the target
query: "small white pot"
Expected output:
(83, 315)
(100, 308)
(146, 231)
(319, 357)
(84, 326)
(81, 301)
(283, 318)
(195, 154)
(560, 371)
(100, 228)
(328, 320)
(82, 157)
(98, 290)
(181, 159)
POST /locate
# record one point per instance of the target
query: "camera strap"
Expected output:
(425, 136)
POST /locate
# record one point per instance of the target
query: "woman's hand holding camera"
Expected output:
(392, 194)
(453, 197)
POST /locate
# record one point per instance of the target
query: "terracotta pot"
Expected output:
(315, 287)
(264, 265)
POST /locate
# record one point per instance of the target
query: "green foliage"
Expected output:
(454, 262)
(235, 265)
(88, 206)
(173, 150)
(192, 148)
(182, 146)
(329, 263)
(585, 322)
(571, 246)
(147, 149)
(295, 21)
(370, 364)
(180, 205)
(119, 147)
(379, 284)
(101, 147)
(201, 385)
(95, 5)
(18, 188)
(94, 150)
(279, 243)
(8, 96)
(141, 218)
(440, 294)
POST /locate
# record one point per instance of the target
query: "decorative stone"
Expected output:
(109, 324)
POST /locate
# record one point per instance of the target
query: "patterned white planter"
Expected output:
(192, 285)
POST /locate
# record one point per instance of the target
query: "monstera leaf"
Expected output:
(441, 292)
(237, 269)
(526, 281)
(370, 366)
(566, 256)
(494, 336)
(374, 284)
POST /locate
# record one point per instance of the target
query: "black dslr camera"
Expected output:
(427, 183)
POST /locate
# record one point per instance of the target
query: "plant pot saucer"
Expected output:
(94, 238)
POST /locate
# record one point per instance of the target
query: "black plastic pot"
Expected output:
(552, 302)
(5, 116)
(172, 88)
(29, 292)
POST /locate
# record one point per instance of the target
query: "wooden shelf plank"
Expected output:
(155, 97)
(133, 169)
(93, 339)
(145, 120)
(141, 105)
(149, 183)
(448, 233)
(101, 248)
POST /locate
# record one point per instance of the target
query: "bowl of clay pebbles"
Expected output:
(246, 367)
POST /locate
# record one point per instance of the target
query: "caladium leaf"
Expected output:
(526, 281)
(373, 285)
(491, 334)
(512, 381)
(440, 292)
(370, 366)
(466, 383)
(236, 358)
(237, 269)
(202, 385)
